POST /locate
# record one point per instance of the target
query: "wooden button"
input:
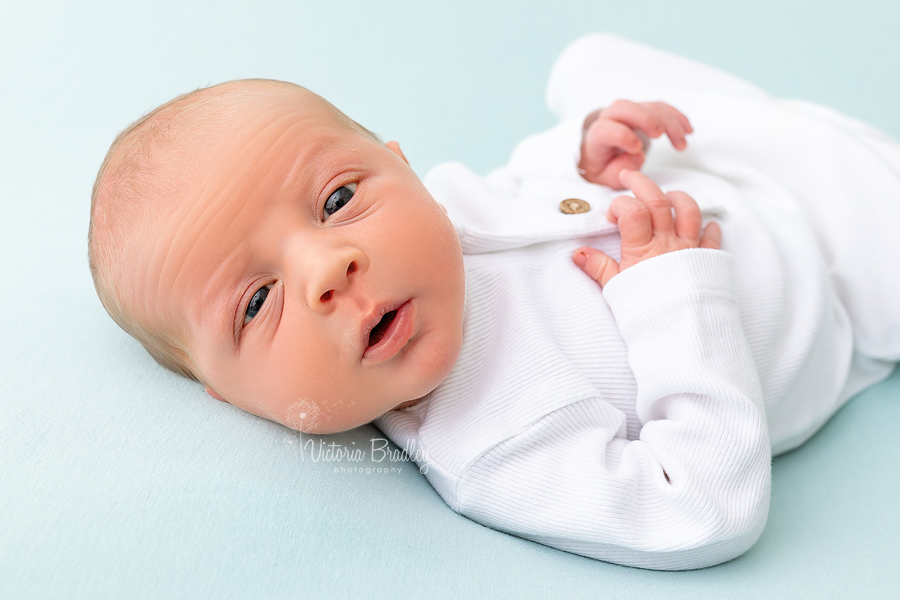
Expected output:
(573, 206)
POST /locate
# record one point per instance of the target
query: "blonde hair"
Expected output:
(131, 191)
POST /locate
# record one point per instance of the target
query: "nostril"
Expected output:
(326, 296)
(351, 268)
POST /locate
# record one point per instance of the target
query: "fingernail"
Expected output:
(580, 258)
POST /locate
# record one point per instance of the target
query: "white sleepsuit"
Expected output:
(636, 425)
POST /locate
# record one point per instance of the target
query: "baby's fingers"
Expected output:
(633, 218)
(614, 134)
(688, 217)
(685, 124)
(636, 116)
(600, 267)
(674, 123)
(712, 236)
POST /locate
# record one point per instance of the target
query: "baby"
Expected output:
(253, 237)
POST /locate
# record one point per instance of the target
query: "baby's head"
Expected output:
(253, 237)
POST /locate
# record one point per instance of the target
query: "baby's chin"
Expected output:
(306, 417)
(440, 356)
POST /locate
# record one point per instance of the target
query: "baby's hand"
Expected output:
(647, 228)
(610, 141)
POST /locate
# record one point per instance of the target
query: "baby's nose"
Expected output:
(333, 278)
(327, 295)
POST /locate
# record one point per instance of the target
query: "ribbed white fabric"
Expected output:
(636, 425)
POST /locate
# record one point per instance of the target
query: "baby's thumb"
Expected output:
(598, 265)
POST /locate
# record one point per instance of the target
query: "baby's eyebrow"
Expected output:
(219, 300)
(305, 162)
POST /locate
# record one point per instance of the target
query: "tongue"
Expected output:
(378, 331)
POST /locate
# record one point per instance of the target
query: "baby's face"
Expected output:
(320, 282)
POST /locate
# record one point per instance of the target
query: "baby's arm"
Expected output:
(615, 138)
(693, 489)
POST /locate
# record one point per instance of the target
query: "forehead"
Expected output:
(238, 120)
(241, 126)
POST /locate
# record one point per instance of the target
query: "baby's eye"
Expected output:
(256, 303)
(339, 198)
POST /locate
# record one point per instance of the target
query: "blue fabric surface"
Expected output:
(120, 480)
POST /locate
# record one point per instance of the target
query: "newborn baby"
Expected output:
(597, 372)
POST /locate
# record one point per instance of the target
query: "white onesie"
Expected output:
(636, 425)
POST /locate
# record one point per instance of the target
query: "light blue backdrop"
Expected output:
(120, 480)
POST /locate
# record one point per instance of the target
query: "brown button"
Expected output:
(573, 206)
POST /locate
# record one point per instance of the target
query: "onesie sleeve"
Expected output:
(599, 68)
(693, 489)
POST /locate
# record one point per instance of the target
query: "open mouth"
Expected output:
(390, 334)
(379, 330)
